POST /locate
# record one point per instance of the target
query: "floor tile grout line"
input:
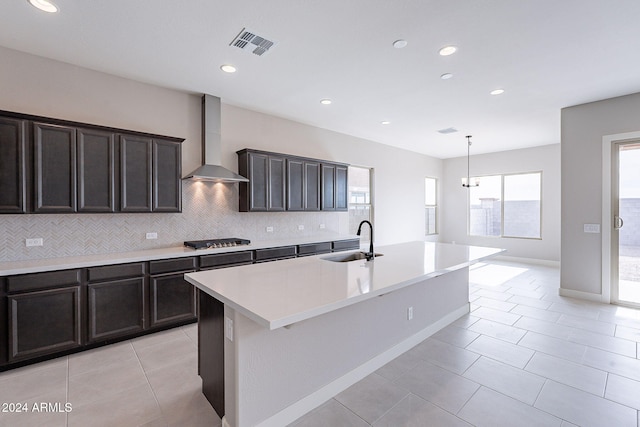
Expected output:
(144, 371)
(348, 409)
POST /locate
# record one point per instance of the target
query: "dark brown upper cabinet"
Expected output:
(303, 177)
(334, 187)
(13, 165)
(279, 182)
(96, 171)
(55, 171)
(342, 188)
(328, 187)
(267, 179)
(167, 174)
(57, 166)
(135, 173)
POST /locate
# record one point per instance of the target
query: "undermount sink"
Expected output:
(348, 257)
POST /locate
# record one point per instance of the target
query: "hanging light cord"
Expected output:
(468, 158)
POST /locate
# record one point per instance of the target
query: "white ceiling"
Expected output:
(546, 54)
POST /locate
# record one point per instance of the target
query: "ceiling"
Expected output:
(545, 54)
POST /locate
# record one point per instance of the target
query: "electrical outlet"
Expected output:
(410, 313)
(269, 229)
(152, 235)
(39, 241)
(321, 226)
(228, 328)
(300, 227)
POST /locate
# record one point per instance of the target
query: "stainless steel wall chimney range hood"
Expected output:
(212, 146)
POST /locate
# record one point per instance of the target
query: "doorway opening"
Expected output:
(625, 238)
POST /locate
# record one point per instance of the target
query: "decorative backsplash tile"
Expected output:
(209, 210)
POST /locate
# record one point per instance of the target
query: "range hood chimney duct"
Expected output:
(212, 146)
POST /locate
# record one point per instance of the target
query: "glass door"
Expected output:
(626, 223)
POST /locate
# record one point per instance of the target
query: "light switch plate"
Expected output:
(152, 235)
(228, 328)
(592, 228)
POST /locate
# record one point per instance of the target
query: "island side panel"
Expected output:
(273, 370)
(211, 350)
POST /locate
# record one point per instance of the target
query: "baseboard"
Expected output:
(588, 296)
(317, 398)
(547, 262)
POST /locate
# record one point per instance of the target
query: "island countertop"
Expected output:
(278, 294)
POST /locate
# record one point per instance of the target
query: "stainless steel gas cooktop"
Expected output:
(216, 243)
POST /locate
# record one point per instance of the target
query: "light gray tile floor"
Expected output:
(524, 356)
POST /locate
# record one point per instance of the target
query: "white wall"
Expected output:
(583, 129)
(453, 224)
(39, 86)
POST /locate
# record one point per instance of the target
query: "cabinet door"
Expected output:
(258, 182)
(135, 173)
(167, 174)
(295, 185)
(13, 166)
(276, 184)
(328, 188)
(43, 322)
(173, 299)
(312, 186)
(116, 308)
(342, 188)
(96, 171)
(55, 168)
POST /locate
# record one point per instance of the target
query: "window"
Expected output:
(359, 199)
(430, 205)
(506, 206)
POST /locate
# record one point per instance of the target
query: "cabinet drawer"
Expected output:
(343, 245)
(118, 271)
(228, 259)
(272, 253)
(314, 248)
(172, 265)
(53, 279)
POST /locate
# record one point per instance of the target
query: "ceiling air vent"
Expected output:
(448, 130)
(251, 42)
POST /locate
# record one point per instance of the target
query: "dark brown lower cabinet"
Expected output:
(172, 299)
(44, 322)
(116, 308)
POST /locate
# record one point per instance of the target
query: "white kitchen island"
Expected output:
(299, 331)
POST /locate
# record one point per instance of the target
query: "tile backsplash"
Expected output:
(209, 210)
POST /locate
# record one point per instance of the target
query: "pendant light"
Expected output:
(466, 182)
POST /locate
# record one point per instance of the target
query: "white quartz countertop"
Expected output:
(278, 294)
(10, 268)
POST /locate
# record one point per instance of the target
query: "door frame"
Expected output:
(608, 144)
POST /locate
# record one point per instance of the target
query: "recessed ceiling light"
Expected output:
(446, 76)
(399, 44)
(385, 122)
(227, 68)
(44, 5)
(447, 50)
(497, 92)
(325, 101)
